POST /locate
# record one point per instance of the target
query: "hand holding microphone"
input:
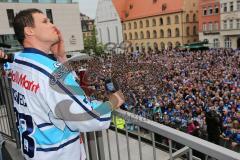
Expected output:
(116, 97)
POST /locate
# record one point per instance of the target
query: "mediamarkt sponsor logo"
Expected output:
(22, 80)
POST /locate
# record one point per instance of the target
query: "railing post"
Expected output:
(190, 154)
(95, 146)
(170, 148)
(91, 146)
(100, 143)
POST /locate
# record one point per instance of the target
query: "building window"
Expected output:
(155, 45)
(141, 24)
(216, 43)
(137, 47)
(177, 34)
(210, 10)
(154, 34)
(238, 5)
(177, 44)
(135, 25)
(10, 14)
(130, 36)
(160, 21)
(169, 45)
(238, 23)
(204, 27)
(194, 17)
(131, 6)
(230, 24)
(135, 35)
(216, 9)
(194, 30)
(154, 22)
(169, 32)
(224, 7)
(125, 36)
(142, 47)
(129, 26)
(164, 7)
(187, 18)
(161, 33)
(188, 31)
(204, 11)
(228, 42)
(148, 34)
(141, 35)
(225, 24)
(49, 15)
(231, 6)
(210, 26)
(147, 23)
(176, 19)
(124, 26)
(216, 26)
(162, 45)
(168, 20)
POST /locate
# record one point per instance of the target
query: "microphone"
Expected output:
(3, 45)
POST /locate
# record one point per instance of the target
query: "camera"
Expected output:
(111, 86)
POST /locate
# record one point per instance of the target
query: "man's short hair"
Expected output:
(24, 19)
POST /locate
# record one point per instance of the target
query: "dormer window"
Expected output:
(164, 7)
(131, 6)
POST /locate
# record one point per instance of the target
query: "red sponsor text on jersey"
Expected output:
(21, 79)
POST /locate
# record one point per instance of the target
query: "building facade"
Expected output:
(64, 14)
(209, 22)
(230, 24)
(87, 26)
(158, 24)
(108, 23)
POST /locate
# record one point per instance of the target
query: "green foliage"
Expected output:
(91, 46)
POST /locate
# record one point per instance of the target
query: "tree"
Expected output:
(91, 44)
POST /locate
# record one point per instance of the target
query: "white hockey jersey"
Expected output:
(50, 117)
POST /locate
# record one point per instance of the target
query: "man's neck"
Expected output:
(43, 48)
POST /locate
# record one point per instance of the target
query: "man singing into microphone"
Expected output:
(50, 116)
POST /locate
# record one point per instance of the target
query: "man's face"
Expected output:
(44, 30)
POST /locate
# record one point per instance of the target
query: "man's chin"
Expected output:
(56, 41)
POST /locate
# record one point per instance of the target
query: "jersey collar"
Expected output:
(36, 51)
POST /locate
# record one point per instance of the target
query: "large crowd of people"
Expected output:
(187, 90)
(190, 91)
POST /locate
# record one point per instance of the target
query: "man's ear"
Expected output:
(28, 31)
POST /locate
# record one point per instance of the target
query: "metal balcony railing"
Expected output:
(178, 144)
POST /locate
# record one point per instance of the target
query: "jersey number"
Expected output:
(28, 144)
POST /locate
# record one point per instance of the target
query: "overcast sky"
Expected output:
(88, 7)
